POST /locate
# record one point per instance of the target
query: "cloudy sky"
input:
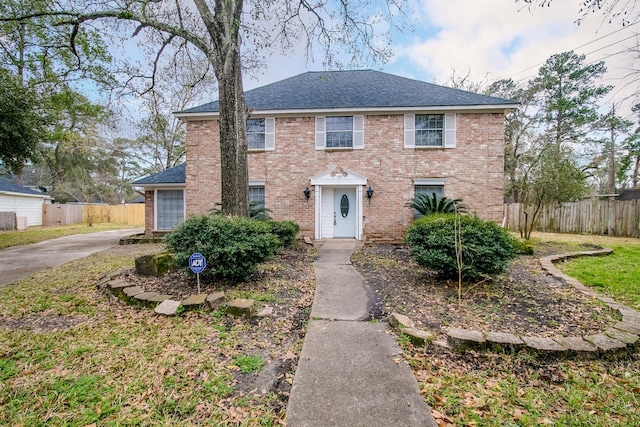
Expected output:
(494, 39)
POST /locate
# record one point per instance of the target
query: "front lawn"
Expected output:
(479, 388)
(616, 275)
(72, 355)
(38, 234)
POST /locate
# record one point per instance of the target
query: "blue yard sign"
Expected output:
(197, 262)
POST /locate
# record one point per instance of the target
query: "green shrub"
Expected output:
(486, 247)
(232, 246)
(286, 231)
(428, 205)
(523, 248)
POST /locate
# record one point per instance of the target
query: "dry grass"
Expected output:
(72, 355)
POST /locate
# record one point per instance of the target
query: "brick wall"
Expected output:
(472, 171)
(149, 207)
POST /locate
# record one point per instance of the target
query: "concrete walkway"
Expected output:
(22, 261)
(350, 371)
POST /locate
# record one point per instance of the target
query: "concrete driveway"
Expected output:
(22, 261)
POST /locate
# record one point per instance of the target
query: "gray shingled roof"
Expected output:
(354, 89)
(174, 175)
(16, 188)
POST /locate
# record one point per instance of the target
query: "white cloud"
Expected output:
(502, 38)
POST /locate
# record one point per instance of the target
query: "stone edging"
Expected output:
(166, 305)
(620, 336)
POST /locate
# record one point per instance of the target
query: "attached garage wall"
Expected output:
(30, 207)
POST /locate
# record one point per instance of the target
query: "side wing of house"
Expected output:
(164, 199)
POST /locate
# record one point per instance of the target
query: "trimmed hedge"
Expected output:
(486, 247)
(286, 231)
(232, 246)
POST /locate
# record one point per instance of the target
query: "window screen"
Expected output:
(256, 194)
(428, 190)
(339, 131)
(255, 134)
(170, 209)
(429, 130)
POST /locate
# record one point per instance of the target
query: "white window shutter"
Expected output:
(358, 132)
(450, 130)
(320, 132)
(270, 134)
(409, 131)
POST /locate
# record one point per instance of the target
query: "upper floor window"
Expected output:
(339, 132)
(261, 133)
(430, 130)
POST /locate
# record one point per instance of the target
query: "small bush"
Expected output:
(486, 247)
(523, 248)
(233, 247)
(286, 231)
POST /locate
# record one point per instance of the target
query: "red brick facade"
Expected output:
(473, 170)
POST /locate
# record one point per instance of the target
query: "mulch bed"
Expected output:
(524, 301)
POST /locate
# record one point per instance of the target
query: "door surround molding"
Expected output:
(338, 177)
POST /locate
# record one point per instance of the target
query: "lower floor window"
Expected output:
(170, 208)
(429, 190)
(256, 196)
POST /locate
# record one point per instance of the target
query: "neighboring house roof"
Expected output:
(16, 189)
(360, 89)
(174, 175)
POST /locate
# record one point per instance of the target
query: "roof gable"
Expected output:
(174, 175)
(353, 90)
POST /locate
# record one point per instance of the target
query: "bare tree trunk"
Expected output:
(233, 114)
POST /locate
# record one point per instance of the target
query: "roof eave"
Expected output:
(16, 193)
(155, 185)
(208, 115)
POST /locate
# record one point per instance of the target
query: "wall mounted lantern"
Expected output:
(307, 193)
(369, 193)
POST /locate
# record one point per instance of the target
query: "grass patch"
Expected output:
(616, 275)
(41, 233)
(249, 363)
(510, 390)
(123, 365)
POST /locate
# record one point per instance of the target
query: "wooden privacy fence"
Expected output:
(8, 221)
(590, 216)
(56, 214)
(63, 214)
(130, 214)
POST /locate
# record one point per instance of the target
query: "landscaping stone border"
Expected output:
(164, 304)
(620, 336)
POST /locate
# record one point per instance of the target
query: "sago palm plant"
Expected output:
(425, 204)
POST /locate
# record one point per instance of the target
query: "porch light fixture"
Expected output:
(307, 193)
(369, 193)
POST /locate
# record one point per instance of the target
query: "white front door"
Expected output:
(344, 212)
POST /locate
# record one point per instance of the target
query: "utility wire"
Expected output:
(583, 45)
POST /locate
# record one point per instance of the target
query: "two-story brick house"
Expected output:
(342, 152)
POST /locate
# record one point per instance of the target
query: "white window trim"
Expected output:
(429, 181)
(448, 134)
(155, 205)
(269, 134)
(321, 134)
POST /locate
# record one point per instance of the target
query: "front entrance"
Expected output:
(338, 204)
(344, 212)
